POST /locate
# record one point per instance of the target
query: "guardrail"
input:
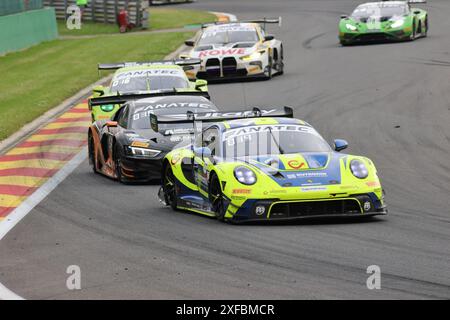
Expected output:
(105, 11)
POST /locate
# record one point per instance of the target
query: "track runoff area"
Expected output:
(129, 246)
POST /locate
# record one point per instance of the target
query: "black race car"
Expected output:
(126, 148)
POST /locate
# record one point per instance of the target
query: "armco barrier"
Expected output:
(22, 30)
(105, 11)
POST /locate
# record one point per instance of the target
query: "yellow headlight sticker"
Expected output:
(140, 144)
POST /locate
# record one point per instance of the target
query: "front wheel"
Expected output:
(91, 151)
(216, 198)
(118, 165)
(268, 69)
(413, 33)
(169, 187)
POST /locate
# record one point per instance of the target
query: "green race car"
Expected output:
(141, 77)
(263, 165)
(384, 21)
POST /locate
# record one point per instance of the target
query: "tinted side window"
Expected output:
(123, 119)
(118, 114)
(211, 139)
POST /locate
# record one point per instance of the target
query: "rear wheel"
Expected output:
(169, 187)
(216, 198)
(425, 33)
(281, 61)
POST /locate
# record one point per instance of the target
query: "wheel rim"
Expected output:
(92, 153)
(169, 186)
(119, 169)
(217, 200)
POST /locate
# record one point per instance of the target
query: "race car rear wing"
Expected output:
(409, 1)
(217, 116)
(178, 62)
(123, 98)
(262, 21)
(265, 21)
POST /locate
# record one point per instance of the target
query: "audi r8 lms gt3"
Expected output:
(266, 168)
(135, 77)
(235, 50)
(126, 148)
(384, 21)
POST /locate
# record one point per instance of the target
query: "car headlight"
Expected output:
(143, 152)
(255, 55)
(397, 23)
(351, 27)
(244, 175)
(359, 169)
(107, 107)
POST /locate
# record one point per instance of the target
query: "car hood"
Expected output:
(238, 49)
(374, 22)
(300, 169)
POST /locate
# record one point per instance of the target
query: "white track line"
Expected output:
(6, 294)
(25, 207)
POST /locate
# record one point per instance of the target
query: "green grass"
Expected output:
(38, 79)
(88, 28)
(160, 18)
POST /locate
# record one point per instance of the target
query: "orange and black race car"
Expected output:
(126, 148)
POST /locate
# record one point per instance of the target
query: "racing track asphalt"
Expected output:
(390, 101)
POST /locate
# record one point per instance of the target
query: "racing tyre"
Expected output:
(118, 164)
(216, 198)
(413, 34)
(170, 191)
(281, 62)
(91, 151)
(426, 27)
(268, 69)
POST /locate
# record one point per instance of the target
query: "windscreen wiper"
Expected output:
(276, 142)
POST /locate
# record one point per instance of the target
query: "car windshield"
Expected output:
(146, 82)
(272, 140)
(377, 10)
(228, 36)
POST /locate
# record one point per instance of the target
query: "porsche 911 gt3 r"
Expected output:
(267, 166)
(135, 77)
(126, 148)
(235, 50)
(383, 21)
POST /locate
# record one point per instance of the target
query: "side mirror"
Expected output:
(189, 43)
(111, 124)
(98, 91)
(200, 83)
(203, 152)
(344, 16)
(340, 145)
(269, 37)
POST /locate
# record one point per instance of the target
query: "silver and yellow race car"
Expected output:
(235, 50)
(264, 165)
